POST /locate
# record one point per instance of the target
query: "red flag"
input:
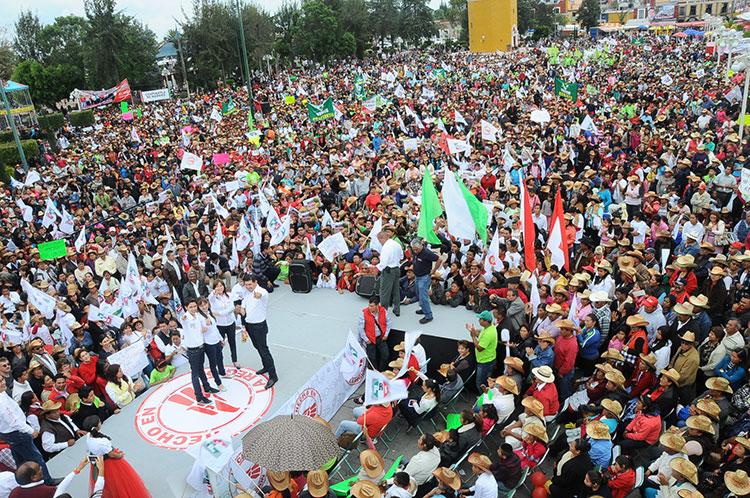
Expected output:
(527, 229)
(557, 243)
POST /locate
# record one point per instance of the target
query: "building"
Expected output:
(493, 25)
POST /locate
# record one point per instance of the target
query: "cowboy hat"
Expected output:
(553, 308)
(636, 321)
(685, 468)
(444, 369)
(317, 483)
(566, 324)
(599, 297)
(598, 430)
(612, 406)
(50, 405)
(397, 363)
(536, 430)
(673, 441)
(481, 461)
(448, 477)
(699, 301)
(366, 489)
(508, 384)
(709, 408)
(544, 336)
(700, 423)
(613, 354)
(400, 346)
(544, 374)
(719, 384)
(514, 363)
(534, 406)
(737, 482)
(604, 367)
(372, 463)
(684, 309)
(686, 261)
(648, 359)
(688, 337)
(672, 375)
(615, 377)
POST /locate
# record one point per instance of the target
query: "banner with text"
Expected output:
(155, 95)
(94, 98)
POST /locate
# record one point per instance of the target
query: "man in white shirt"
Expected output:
(485, 486)
(58, 430)
(253, 310)
(193, 329)
(176, 350)
(18, 434)
(390, 271)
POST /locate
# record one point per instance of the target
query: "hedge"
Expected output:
(51, 121)
(82, 118)
(6, 136)
(9, 153)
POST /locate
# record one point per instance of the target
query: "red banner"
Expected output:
(96, 98)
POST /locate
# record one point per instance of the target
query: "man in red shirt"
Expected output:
(543, 389)
(566, 350)
(375, 418)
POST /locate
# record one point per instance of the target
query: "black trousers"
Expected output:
(197, 372)
(378, 354)
(258, 333)
(227, 332)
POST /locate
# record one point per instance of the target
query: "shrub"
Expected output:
(9, 153)
(51, 122)
(6, 136)
(82, 118)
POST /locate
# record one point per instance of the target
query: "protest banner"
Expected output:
(219, 159)
(566, 90)
(132, 359)
(320, 112)
(155, 95)
(191, 161)
(97, 315)
(52, 250)
(333, 245)
(87, 99)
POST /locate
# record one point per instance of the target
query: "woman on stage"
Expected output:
(122, 481)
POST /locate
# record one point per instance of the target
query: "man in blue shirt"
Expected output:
(423, 261)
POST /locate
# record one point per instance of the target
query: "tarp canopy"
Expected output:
(12, 86)
(693, 32)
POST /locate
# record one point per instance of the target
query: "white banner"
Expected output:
(191, 161)
(97, 315)
(154, 95)
(131, 359)
(332, 246)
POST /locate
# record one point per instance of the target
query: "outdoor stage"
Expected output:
(305, 332)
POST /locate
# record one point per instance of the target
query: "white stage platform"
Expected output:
(305, 331)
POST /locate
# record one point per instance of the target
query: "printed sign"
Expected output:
(155, 95)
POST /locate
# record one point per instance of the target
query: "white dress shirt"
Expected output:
(192, 330)
(212, 335)
(11, 416)
(179, 359)
(485, 486)
(48, 439)
(391, 255)
(222, 308)
(255, 309)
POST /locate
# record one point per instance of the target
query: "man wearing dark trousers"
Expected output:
(374, 327)
(264, 269)
(423, 260)
(391, 255)
(253, 310)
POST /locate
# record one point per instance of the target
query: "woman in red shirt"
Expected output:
(621, 477)
(644, 430)
(87, 371)
(643, 377)
(533, 445)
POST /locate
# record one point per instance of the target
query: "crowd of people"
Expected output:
(636, 342)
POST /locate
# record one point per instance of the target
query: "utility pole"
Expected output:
(12, 122)
(243, 50)
(182, 63)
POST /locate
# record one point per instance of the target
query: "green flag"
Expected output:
(359, 87)
(53, 249)
(138, 113)
(430, 210)
(453, 421)
(250, 120)
(566, 90)
(228, 107)
(478, 212)
(320, 112)
(123, 107)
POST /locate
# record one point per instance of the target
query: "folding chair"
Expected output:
(486, 437)
(446, 406)
(524, 475)
(616, 451)
(640, 477)
(468, 452)
(428, 417)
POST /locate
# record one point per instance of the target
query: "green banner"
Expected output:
(359, 87)
(123, 107)
(320, 112)
(53, 249)
(566, 90)
(228, 107)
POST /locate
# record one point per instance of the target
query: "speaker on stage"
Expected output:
(300, 276)
(368, 285)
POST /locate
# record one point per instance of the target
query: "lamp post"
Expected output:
(12, 124)
(732, 40)
(182, 63)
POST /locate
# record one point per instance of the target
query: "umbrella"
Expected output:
(680, 35)
(290, 442)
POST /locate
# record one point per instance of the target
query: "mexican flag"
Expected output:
(429, 210)
(566, 90)
(320, 112)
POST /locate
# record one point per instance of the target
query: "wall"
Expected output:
(491, 24)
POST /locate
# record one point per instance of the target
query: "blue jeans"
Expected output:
(23, 449)
(565, 385)
(350, 425)
(423, 285)
(484, 370)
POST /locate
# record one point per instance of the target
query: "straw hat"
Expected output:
(673, 441)
(481, 461)
(514, 363)
(737, 482)
(636, 321)
(598, 430)
(441, 436)
(317, 483)
(686, 468)
(672, 375)
(699, 301)
(534, 406)
(50, 405)
(448, 477)
(444, 368)
(366, 489)
(372, 463)
(612, 406)
(719, 384)
(397, 363)
(700, 423)
(278, 480)
(390, 374)
(553, 308)
(688, 337)
(709, 408)
(648, 359)
(615, 377)
(536, 430)
(508, 384)
(718, 271)
(544, 336)
(566, 324)
(400, 346)
(686, 261)
(604, 367)
(613, 354)
(544, 374)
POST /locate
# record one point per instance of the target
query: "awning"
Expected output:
(12, 86)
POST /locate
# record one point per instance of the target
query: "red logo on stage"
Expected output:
(170, 417)
(308, 403)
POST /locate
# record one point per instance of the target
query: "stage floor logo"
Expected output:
(171, 418)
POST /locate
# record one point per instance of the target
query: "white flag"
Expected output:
(399, 91)
(31, 178)
(508, 160)
(489, 131)
(16, 184)
(50, 215)
(588, 125)
(369, 105)
(191, 161)
(216, 115)
(308, 252)
(134, 135)
(131, 284)
(81, 240)
(40, 300)
(379, 390)
(220, 210)
(218, 240)
(327, 219)
(277, 227)
(244, 236)
(66, 222)
(401, 125)
(492, 261)
(573, 312)
(169, 246)
(534, 297)
(97, 315)
(234, 261)
(265, 206)
(460, 222)
(457, 146)
(27, 212)
(354, 359)
(458, 118)
(377, 227)
(410, 339)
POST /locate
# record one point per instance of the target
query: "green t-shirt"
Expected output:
(157, 376)
(488, 342)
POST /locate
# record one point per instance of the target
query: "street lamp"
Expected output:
(731, 40)
(743, 64)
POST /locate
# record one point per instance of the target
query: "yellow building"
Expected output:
(493, 25)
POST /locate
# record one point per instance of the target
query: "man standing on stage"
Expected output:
(193, 329)
(374, 327)
(423, 262)
(390, 272)
(253, 311)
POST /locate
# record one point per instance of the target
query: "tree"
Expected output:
(104, 37)
(28, 42)
(416, 21)
(64, 42)
(47, 84)
(316, 36)
(384, 19)
(354, 19)
(7, 56)
(286, 23)
(589, 13)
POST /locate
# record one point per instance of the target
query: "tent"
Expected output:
(21, 105)
(693, 32)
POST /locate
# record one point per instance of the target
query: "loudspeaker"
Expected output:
(300, 276)
(367, 285)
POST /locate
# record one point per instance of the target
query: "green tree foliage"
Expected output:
(316, 35)
(28, 43)
(47, 83)
(589, 13)
(384, 20)
(533, 14)
(416, 22)
(82, 118)
(7, 56)
(51, 121)
(9, 152)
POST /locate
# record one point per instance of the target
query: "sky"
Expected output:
(159, 15)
